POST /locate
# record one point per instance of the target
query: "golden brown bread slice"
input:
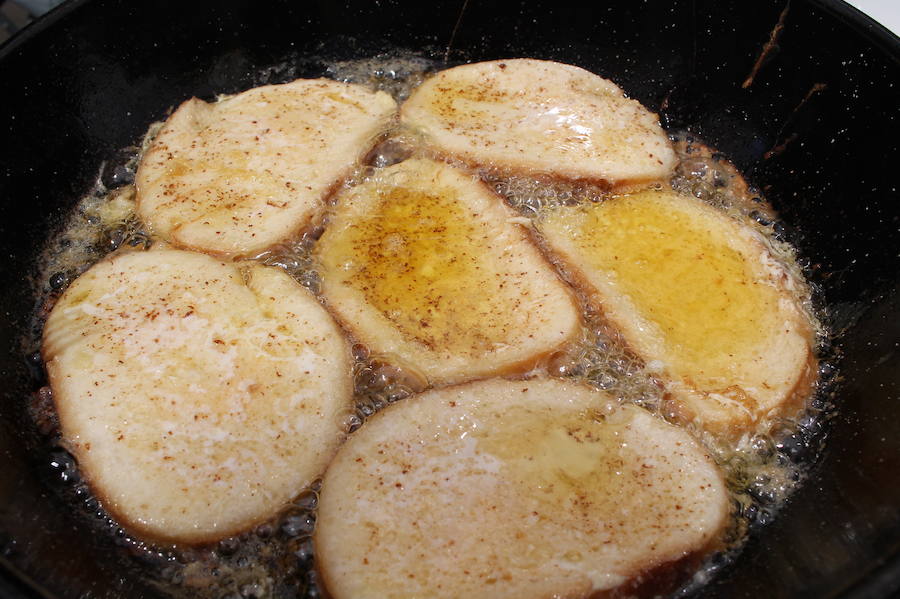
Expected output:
(236, 176)
(525, 489)
(540, 117)
(429, 269)
(699, 297)
(198, 397)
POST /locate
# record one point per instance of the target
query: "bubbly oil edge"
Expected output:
(276, 557)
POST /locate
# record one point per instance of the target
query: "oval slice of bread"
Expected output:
(540, 117)
(526, 489)
(429, 269)
(699, 297)
(198, 397)
(239, 175)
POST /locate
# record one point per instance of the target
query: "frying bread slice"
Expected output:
(698, 296)
(236, 176)
(540, 117)
(428, 268)
(526, 489)
(197, 396)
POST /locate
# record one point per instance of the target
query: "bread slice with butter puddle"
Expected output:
(518, 489)
(199, 397)
(430, 270)
(699, 297)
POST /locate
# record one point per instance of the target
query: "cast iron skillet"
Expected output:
(816, 130)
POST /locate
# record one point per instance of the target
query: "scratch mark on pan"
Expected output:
(816, 88)
(779, 148)
(664, 105)
(459, 18)
(770, 46)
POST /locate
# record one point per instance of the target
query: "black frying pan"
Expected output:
(813, 123)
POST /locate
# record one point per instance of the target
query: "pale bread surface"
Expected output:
(429, 269)
(198, 397)
(540, 117)
(699, 297)
(525, 489)
(236, 176)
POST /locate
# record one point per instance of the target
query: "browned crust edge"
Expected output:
(621, 186)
